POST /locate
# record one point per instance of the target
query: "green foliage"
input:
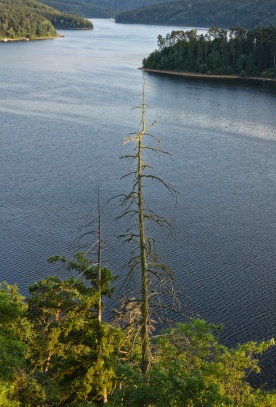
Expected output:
(30, 392)
(18, 21)
(193, 343)
(61, 355)
(6, 395)
(190, 368)
(11, 356)
(87, 268)
(72, 346)
(32, 19)
(14, 332)
(11, 305)
(193, 348)
(244, 53)
(204, 13)
(16, 340)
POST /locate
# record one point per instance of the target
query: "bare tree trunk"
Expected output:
(144, 255)
(47, 363)
(99, 258)
(104, 397)
(145, 300)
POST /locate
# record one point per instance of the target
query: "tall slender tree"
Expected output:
(144, 254)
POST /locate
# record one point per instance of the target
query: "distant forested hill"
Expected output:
(98, 8)
(83, 8)
(31, 19)
(205, 13)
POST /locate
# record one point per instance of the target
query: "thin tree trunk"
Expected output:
(47, 363)
(99, 258)
(145, 277)
(104, 397)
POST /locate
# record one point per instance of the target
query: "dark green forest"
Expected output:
(98, 8)
(242, 52)
(205, 13)
(32, 19)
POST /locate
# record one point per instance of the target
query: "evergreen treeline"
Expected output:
(55, 352)
(246, 53)
(98, 8)
(32, 19)
(81, 8)
(205, 13)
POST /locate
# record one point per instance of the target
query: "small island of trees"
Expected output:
(247, 53)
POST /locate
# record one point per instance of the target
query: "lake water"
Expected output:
(64, 106)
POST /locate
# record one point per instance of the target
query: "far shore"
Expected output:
(25, 39)
(201, 75)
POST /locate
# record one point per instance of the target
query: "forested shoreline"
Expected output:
(32, 20)
(210, 76)
(240, 52)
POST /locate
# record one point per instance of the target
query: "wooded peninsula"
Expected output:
(31, 19)
(246, 53)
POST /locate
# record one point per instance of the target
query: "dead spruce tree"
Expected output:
(155, 278)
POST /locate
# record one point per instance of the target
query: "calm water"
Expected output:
(64, 106)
